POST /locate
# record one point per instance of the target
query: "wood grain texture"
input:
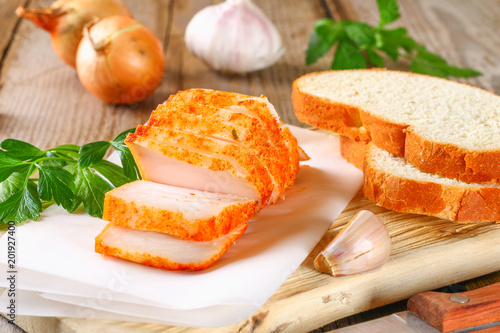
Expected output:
(42, 102)
(8, 24)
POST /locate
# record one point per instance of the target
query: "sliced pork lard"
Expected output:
(192, 161)
(237, 128)
(161, 250)
(257, 107)
(184, 213)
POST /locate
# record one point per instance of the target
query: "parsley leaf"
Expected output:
(90, 189)
(56, 183)
(348, 56)
(112, 172)
(325, 34)
(92, 153)
(69, 175)
(23, 205)
(388, 10)
(362, 34)
(129, 166)
(9, 165)
(358, 43)
(11, 185)
(20, 149)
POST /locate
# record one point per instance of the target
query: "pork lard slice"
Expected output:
(162, 250)
(191, 161)
(237, 128)
(184, 213)
(257, 107)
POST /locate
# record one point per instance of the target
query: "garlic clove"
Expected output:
(363, 245)
(234, 37)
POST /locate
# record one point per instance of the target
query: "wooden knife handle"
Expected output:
(447, 315)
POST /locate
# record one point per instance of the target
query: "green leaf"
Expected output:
(325, 35)
(130, 168)
(9, 165)
(90, 189)
(423, 54)
(112, 172)
(440, 69)
(317, 48)
(458, 71)
(73, 148)
(20, 149)
(56, 183)
(390, 41)
(348, 56)
(120, 138)
(424, 67)
(374, 58)
(92, 153)
(11, 185)
(388, 11)
(23, 205)
(361, 33)
(59, 163)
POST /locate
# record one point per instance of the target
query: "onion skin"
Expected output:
(120, 61)
(65, 19)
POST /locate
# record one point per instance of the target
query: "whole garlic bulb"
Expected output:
(363, 245)
(234, 37)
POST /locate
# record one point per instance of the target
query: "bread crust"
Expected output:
(335, 117)
(455, 203)
(352, 151)
(446, 160)
(451, 161)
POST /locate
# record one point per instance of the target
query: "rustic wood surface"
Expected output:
(42, 102)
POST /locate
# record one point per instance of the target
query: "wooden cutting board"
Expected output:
(427, 253)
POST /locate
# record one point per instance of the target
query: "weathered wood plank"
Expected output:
(42, 100)
(8, 24)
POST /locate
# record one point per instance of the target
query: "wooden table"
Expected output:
(42, 101)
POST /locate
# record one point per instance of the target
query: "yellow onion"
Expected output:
(119, 60)
(65, 19)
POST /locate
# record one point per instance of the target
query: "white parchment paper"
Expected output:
(59, 274)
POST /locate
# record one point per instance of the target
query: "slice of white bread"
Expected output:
(439, 126)
(395, 184)
(181, 212)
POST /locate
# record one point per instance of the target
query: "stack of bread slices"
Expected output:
(426, 145)
(209, 160)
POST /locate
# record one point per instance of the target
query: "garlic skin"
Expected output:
(363, 245)
(234, 37)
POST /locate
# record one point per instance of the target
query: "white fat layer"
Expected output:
(159, 168)
(162, 138)
(164, 245)
(233, 161)
(192, 204)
